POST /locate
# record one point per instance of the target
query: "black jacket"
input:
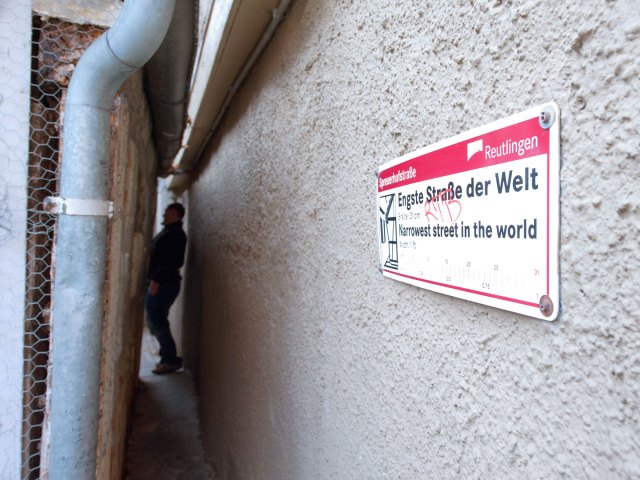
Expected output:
(167, 254)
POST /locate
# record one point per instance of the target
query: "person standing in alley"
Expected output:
(166, 258)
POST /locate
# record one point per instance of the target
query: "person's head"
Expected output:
(173, 213)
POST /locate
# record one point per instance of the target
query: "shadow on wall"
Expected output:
(192, 308)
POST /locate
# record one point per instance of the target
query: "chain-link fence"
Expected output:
(56, 48)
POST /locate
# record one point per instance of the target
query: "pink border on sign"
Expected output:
(452, 159)
(441, 164)
(548, 209)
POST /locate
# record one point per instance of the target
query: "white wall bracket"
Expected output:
(78, 206)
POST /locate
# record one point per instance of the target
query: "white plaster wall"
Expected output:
(314, 366)
(15, 58)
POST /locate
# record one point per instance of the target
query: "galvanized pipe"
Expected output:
(81, 239)
(167, 83)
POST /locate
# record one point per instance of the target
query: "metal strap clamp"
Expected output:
(78, 206)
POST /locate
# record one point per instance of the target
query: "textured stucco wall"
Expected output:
(313, 366)
(15, 62)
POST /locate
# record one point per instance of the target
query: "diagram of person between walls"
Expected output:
(388, 231)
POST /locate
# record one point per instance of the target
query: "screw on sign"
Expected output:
(546, 305)
(547, 117)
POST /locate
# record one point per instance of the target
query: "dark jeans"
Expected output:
(157, 307)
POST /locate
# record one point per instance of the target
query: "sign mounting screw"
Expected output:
(546, 305)
(547, 118)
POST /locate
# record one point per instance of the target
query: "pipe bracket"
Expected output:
(78, 206)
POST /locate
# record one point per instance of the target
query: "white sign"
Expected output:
(476, 216)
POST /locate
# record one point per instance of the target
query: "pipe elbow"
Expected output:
(140, 29)
(124, 48)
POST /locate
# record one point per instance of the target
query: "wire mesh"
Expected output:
(56, 48)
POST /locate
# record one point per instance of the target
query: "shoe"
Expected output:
(162, 368)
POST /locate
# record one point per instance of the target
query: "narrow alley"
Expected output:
(164, 440)
(410, 242)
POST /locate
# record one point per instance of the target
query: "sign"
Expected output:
(476, 216)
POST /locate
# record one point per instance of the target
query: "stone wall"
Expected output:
(133, 190)
(314, 366)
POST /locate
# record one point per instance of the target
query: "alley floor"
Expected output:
(164, 441)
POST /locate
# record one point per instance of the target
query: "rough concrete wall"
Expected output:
(15, 63)
(133, 190)
(313, 366)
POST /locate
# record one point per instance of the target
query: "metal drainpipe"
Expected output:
(167, 82)
(82, 229)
